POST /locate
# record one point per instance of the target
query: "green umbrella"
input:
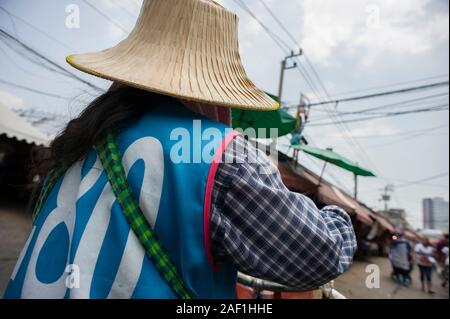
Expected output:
(280, 119)
(334, 158)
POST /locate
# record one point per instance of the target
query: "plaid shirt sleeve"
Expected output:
(270, 232)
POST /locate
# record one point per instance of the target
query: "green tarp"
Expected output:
(280, 119)
(334, 158)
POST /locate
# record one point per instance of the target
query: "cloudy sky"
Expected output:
(356, 47)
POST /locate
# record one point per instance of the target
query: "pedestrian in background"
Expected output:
(445, 267)
(425, 261)
(443, 242)
(400, 256)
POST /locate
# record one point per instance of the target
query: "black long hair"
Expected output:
(112, 111)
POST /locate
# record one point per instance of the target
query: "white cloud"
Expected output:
(11, 101)
(405, 28)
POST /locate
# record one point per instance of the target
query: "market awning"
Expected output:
(331, 195)
(13, 126)
(279, 119)
(334, 158)
(302, 180)
(385, 224)
(362, 213)
(297, 181)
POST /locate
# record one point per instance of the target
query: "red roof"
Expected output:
(299, 179)
(302, 181)
(385, 224)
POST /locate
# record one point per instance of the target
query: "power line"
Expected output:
(289, 34)
(38, 30)
(33, 90)
(283, 45)
(25, 70)
(438, 108)
(407, 133)
(405, 103)
(46, 34)
(378, 110)
(278, 21)
(13, 24)
(428, 179)
(303, 71)
(391, 85)
(370, 96)
(401, 181)
(342, 123)
(404, 139)
(57, 67)
(279, 41)
(100, 12)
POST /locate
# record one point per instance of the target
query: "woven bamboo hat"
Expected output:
(183, 48)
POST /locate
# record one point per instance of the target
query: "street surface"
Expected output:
(15, 226)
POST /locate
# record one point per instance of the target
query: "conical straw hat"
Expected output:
(183, 48)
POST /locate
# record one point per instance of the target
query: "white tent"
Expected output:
(16, 127)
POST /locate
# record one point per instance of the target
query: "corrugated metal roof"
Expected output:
(14, 126)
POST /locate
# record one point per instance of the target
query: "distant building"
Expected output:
(397, 217)
(436, 214)
(428, 222)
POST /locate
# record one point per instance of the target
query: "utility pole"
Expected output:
(386, 196)
(284, 67)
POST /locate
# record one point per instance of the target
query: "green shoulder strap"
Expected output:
(47, 187)
(111, 161)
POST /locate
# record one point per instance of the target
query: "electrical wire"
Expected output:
(405, 103)
(407, 133)
(33, 90)
(438, 108)
(52, 66)
(106, 17)
(351, 141)
(382, 94)
(428, 179)
(390, 85)
(278, 40)
(46, 34)
(13, 24)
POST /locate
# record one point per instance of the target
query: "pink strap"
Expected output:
(208, 193)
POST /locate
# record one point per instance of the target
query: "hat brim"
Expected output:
(262, 103)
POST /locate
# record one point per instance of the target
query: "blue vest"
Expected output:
(81, 245)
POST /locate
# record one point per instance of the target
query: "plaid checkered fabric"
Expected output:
(270, 232)
(258, 224)
(112, 163)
